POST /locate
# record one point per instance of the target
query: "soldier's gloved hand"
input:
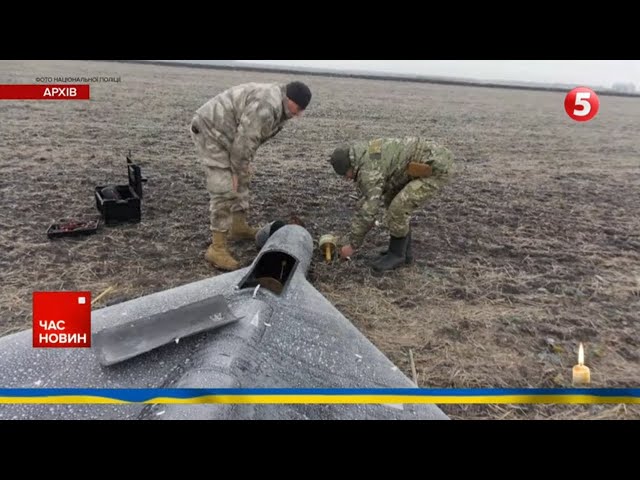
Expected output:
(346, 252)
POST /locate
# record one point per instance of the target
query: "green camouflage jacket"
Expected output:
(380, 166)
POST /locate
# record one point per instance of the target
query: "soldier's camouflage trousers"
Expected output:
(219, 183)
(223, 200)
(401, 204)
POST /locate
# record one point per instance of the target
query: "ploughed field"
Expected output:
(532, 248)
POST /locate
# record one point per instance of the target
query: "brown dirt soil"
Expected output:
(532, 248)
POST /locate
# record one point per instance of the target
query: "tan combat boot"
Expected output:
(218, 255)
(240, 230)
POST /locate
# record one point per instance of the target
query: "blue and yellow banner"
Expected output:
(317, 396)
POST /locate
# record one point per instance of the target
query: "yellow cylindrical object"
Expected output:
(327, 244)
(327, 252)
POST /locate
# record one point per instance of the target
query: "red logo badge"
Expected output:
(581, 104)
(61, 319)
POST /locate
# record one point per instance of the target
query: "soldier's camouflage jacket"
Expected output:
(380, 168)
(244, 117)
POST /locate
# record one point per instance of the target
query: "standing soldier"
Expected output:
(227, 131)
(399, 173)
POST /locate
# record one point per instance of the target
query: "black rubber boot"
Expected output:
(396, 255)
(408, 252)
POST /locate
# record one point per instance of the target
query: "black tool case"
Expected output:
(122, 203)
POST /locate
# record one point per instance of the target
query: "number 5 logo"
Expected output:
(581, 104)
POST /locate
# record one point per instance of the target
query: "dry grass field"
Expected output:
(532, 248)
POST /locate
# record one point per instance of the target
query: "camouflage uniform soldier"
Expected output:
(227, 131)
(400, 174)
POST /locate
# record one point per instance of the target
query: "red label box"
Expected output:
(61, 319)
(44, 92)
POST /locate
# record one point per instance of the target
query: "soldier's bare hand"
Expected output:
(346, 252)
(234, 182)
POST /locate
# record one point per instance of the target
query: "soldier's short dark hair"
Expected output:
(299, 93)
(340, 160)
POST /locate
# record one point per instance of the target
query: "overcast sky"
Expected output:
(592, 72)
